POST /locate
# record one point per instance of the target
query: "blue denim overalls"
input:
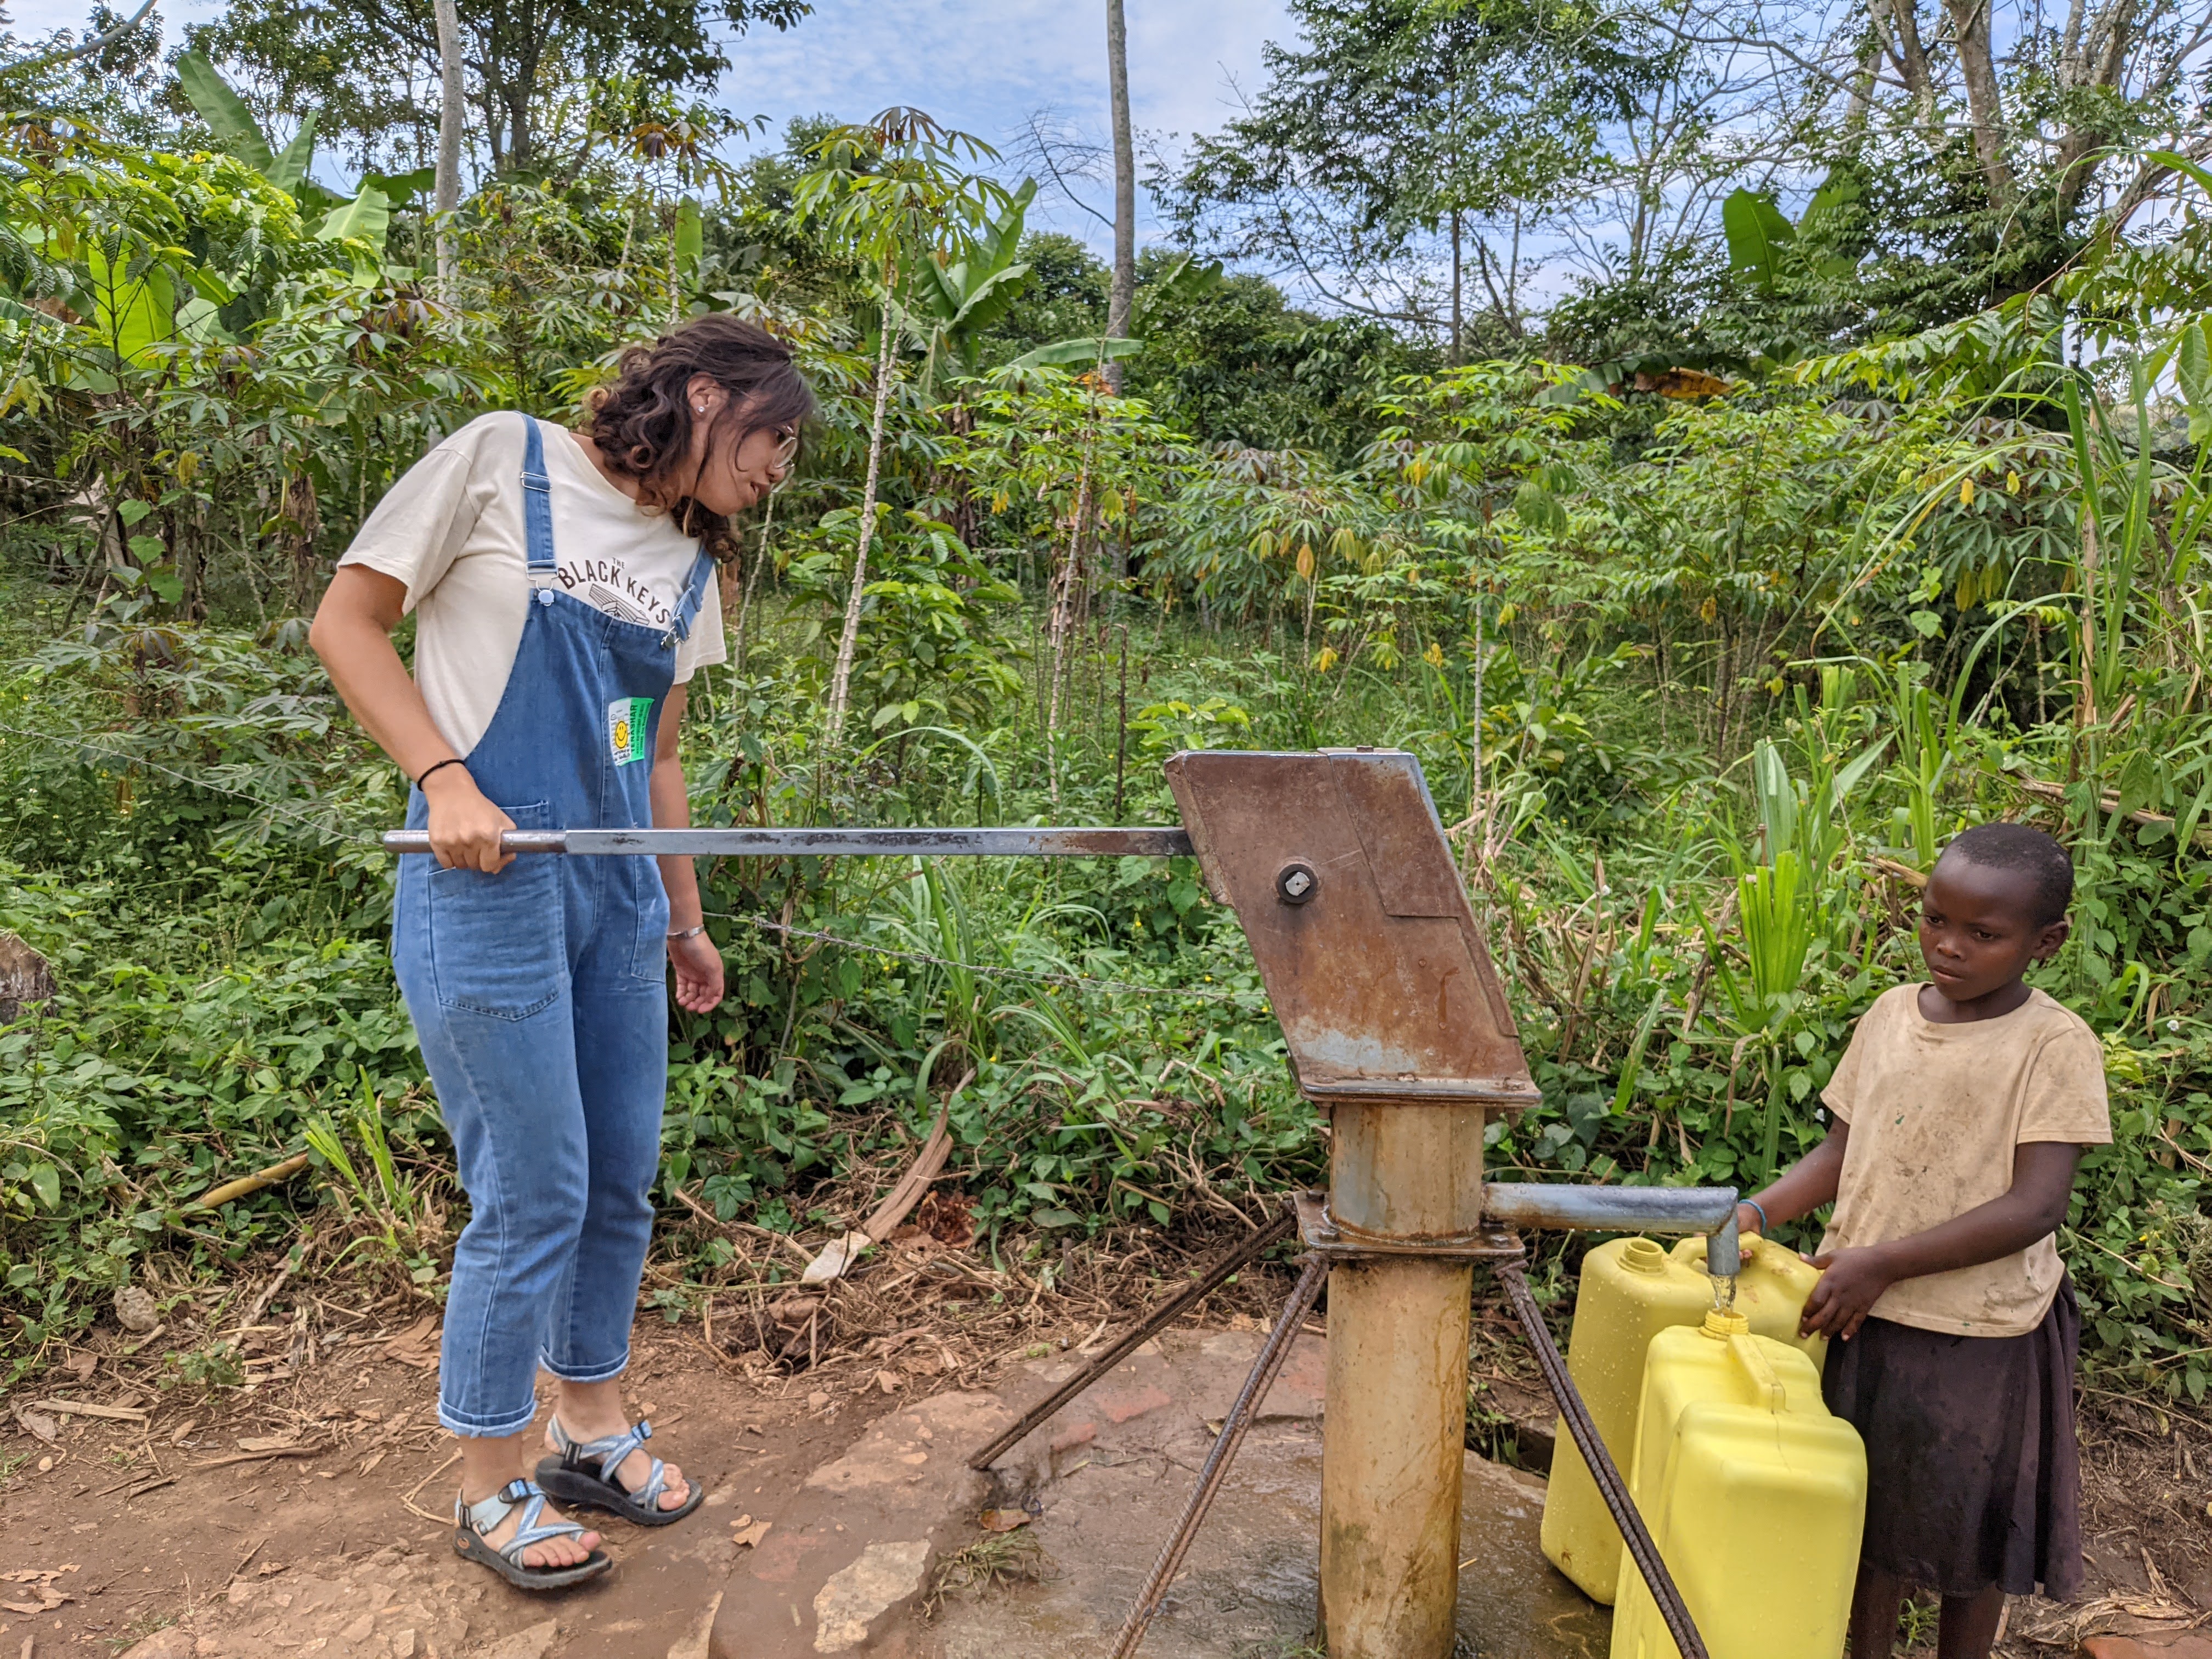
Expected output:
(540, 997)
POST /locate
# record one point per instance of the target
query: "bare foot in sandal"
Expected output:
(588, 1427)
(566, 1550)
(503, 1522)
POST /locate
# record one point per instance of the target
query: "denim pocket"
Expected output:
(648, 958)
(498, 943)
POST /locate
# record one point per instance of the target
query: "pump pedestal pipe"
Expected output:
(1339, 871)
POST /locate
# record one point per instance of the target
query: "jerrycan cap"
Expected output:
(1722, 1326)
(1643, 1255)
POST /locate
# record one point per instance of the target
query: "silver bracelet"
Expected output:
(687, 933)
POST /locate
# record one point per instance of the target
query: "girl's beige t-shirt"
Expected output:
(450, 529)
(1935, 1112)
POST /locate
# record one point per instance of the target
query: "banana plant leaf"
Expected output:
(367, 217)
(1086, 350)
(1756, 232)
(236, 132)
(289, 170)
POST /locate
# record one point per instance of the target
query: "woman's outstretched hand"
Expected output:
(1851, 1281)
(698, 963)
(464, 826)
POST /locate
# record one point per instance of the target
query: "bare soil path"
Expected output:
(306, 1513)
(220, 1531)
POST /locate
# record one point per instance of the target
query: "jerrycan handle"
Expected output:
(1766, 1387)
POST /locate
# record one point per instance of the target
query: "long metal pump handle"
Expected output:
(1142, 840)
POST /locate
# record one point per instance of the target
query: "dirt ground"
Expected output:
(192, 1513)
(273, 1508)
(305, 1510)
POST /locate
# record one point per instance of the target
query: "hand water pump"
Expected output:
(1339, 871)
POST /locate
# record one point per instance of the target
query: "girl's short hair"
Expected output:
(2029, 850)
(642, 420)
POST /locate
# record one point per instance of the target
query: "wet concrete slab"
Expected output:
(849, 1562)
(1107, 1485)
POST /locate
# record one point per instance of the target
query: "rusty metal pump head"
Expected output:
(1336, 864)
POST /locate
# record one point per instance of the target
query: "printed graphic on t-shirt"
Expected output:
(626, 723)
(604, 586)
(604, 599)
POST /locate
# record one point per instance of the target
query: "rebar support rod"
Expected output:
(1229, 1262)
(1641, 1548)
(1260, 1378)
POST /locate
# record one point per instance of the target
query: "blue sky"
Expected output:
(983, 66)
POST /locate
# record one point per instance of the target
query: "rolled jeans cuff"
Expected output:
(487, 1429)
(596, 1374)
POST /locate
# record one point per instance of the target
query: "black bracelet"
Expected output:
(451, 760)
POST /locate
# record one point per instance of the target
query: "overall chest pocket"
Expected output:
(498, 943)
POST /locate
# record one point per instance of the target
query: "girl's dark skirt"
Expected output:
(1974, 1479)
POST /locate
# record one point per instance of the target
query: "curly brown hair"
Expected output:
(641, 423)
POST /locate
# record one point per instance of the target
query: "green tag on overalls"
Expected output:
(626, 725)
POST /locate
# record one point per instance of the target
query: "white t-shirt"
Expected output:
(452, 530)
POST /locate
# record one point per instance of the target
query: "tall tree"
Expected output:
(451, 94)
(358, 64)
(896, 193)
(1398, 135)
(1988, 140)
(1121, 297)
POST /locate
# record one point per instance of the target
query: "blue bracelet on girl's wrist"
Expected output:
(1764, 1224)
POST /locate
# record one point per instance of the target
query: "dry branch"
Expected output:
(216, 1197)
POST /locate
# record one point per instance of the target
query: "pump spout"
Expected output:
(1724, 1253)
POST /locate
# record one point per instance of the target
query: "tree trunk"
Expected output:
(1476, 825)
(1063, 614)
(1911, 57)
(449, 141)
(1970, 29)
(1513, 281)
(1455, 287)
(1121, 297)
(841, 678)
(752, 581)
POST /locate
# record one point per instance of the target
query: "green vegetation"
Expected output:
(1707, 629)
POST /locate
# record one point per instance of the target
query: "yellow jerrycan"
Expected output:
(1770, 1291)
(1632, 1289)
(1754, 1494)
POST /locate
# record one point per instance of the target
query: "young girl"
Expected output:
(562, 587)
(1959, 1110)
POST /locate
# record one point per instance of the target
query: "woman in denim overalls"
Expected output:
(538, 986)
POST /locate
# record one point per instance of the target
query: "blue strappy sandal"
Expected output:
(583, 1477)
(472, 1521)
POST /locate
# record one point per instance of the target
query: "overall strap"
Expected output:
(694, 595)
(537, 507)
